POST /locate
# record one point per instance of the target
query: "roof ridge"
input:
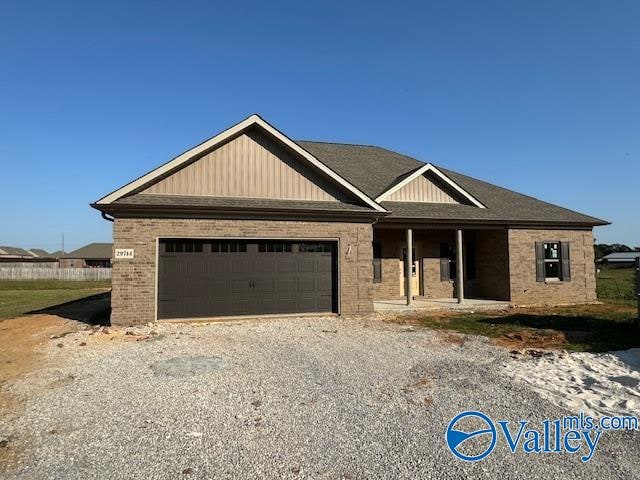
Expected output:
(341, 143)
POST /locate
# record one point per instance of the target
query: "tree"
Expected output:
(602, 249)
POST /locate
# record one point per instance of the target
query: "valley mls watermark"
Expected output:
(472, 436)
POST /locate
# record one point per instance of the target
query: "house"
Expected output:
(90, 256)
(14, 253)
(251, 222)
(39, 253)
(620, 259)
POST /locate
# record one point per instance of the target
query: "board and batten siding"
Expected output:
(422, 189)
(249, 166)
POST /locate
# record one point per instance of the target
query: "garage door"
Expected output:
(211, 278)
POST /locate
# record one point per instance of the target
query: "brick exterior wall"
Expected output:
(525, 290)
(134, 281)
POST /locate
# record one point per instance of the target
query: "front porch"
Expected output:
(449, 268)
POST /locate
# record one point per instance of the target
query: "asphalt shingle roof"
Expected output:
(92, 251)
(374, 170)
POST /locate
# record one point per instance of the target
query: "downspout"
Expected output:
(110, 219)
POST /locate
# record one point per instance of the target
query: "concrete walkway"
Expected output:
(435, 304)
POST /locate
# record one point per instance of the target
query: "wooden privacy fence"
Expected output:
(18, 273)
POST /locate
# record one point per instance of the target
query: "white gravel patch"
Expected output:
(290, 398)
(597, 384)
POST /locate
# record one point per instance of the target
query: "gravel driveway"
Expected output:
(290, 398)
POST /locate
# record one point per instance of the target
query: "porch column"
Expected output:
(408, 264)
(459, 266)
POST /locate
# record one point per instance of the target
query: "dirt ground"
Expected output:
(21, 340)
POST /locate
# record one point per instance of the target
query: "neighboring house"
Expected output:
(92, 255)
(14, 253)
(40, 253)
(620, 259)
(251, 222)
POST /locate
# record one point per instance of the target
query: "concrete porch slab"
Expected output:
(442, 304)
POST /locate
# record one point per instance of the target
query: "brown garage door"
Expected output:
(211, 278)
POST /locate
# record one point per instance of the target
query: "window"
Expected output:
(183, 246)
(551, 260)
(377, 262)
(228, 247)
(274, 247)
(315, 247)
(449, 261)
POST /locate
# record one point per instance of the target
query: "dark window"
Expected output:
(183, 246)
(228, 247)
(377, 262)
(274, 247)
(448, 262)
(551, 260)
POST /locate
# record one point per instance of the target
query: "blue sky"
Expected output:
(542, 97)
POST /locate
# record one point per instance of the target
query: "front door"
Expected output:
(415, 270)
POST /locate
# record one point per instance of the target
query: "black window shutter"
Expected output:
(377, 262)
(444, 262)
(539, 262)
(470, 261)
(565, 261)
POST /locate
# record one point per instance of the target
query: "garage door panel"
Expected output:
(261, 277)
(240, 306)
(305, 265)
(266, 265)
(218, 288)
(221, 306)
(324, 264)
(286, 265)
(287, 305)
(240, 286)
(195, 289)
(218, 265)
(325, 303)
(267, 305)
(324, 285)
(265, 285)
(307, 303)
(306, 284)
(169, 290)
(286, 286)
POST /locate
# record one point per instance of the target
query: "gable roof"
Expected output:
(365, 171)
(252, 121)
(377, 170)
(14, 251)
(427, 167)
(91, 251)
(39, 252)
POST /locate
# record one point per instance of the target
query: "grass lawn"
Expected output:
(616, 284)
(595, 328)
(20, 297)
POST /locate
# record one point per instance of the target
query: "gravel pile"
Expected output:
(291, 398)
